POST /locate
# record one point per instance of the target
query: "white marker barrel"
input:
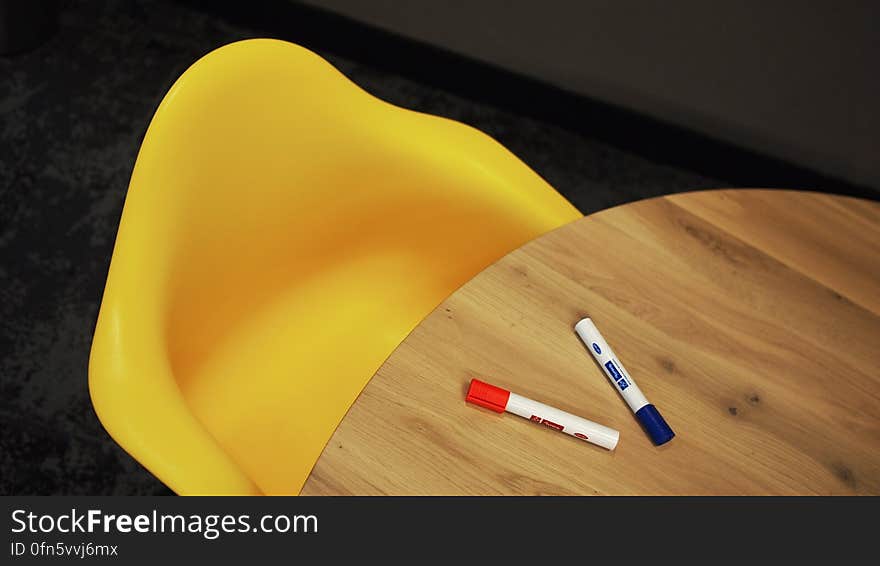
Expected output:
(501, 400)
(647, 414)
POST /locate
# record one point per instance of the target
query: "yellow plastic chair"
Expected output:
(283, 232)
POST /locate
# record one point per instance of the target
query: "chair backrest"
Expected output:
(283, 232)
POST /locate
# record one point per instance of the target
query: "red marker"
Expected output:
(501, 400)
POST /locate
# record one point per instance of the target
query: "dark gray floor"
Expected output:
(72, 114)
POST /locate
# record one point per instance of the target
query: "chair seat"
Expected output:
(283, 232)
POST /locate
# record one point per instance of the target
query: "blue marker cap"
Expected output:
(653, 423)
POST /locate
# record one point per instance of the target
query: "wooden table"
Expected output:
(748, 317)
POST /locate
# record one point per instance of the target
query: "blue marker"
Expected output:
(646, 413)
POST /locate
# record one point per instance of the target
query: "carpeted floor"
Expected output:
(72, 114)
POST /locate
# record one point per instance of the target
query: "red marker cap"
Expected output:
(488, 396)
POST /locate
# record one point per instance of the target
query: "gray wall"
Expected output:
(794, 79)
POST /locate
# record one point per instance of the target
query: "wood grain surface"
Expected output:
(750, 318)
